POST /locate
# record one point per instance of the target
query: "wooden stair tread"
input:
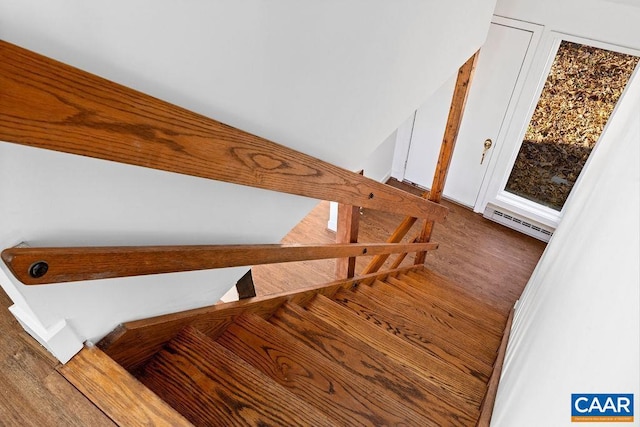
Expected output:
(348, 399)
(474, 313)
(456, 344)
(460, 384)
(210, 385)
(424, 310)
(116, 392)
(451, 291)
(365, 361)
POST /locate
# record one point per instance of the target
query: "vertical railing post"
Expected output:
(347, 232)
(454, 120)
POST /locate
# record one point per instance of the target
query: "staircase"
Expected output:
(406, 348)
(399, 347)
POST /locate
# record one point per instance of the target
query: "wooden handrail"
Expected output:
(50, 105)
(35, 266)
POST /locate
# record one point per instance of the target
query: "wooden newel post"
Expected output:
(460, 93)
(347, 232)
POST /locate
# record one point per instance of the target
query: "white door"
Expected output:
(499, 66)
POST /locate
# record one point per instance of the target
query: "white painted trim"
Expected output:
(401, 151)
(60, 339)
(511, 113)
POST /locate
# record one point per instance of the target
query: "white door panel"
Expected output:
(497, 72)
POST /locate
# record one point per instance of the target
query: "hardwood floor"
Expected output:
(32, 392)
(492, 262)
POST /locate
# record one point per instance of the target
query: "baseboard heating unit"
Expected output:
(518, 222)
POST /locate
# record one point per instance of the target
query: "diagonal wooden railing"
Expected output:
(50, 105)
(47, 104)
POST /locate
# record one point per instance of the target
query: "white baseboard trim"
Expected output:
(60, 339)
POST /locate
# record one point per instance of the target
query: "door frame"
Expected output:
(492, 191)
(405, 131)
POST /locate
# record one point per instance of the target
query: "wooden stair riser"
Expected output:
(454, 344)
(458, 308)
(367, 362)
(424, 312)
(351, 400)
(135, 342)
(431, 280)
(457, 383)
(212, 386)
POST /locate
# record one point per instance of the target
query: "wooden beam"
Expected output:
(36, 266)
(50, 105)
(132, 344)
(378, 261)
(116, 392)
(486, 409)
(347, 232)
(456, 111)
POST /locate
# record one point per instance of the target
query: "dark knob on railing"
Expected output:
(38, 269)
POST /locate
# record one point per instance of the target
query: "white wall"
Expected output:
(611, 21)
(577, 326)
(329, 78)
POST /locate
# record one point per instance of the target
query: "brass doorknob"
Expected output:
(487, 144)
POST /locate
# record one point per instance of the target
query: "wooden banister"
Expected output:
(35, 266)
(50, 105)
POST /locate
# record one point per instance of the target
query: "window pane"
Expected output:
(579, 95)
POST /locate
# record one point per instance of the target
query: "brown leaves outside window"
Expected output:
(581, 91)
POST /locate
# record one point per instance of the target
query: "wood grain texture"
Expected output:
(484, 259)
(348, 399)
(430, 364)
(447, 290)
(484, 333)
(347, 232)
(118, 394)
(32, 392)
(398, 234)
(135, 342)
(451, 298)
(49, 105)
(367, 362)
(492, 388)
(452, 128)
(90, 263)
(460, 372)
(212, 386)
(465, 332)
(472, 319)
